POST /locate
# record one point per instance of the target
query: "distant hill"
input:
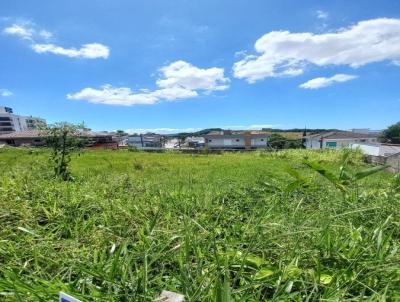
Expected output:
(196, 133)
(299, 130)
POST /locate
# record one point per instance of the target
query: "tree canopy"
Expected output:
(392, 134)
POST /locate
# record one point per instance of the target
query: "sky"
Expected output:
(185, 65)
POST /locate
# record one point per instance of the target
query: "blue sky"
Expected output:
(179, 64)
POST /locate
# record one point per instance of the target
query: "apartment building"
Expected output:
(10, 122)
(228, 139)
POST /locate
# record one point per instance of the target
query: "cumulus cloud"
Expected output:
(29, 31)
(5, 92)
(178, 80)
(324, 82)
(88, 51)
(282, 53)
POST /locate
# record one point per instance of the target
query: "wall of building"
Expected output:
(153, 141)
(259, 142)
(237, 142)
(314, 143)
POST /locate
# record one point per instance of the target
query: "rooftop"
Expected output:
(344, 135)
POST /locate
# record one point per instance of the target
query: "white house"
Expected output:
(239, 140)
(338, 139)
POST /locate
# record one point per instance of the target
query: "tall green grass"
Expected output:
(229, 227)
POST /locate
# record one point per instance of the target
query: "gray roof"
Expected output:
(344, 135)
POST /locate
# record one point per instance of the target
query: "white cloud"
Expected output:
(27, 30)
(324, 82)
(282, 53)
(20, 31)
(179, 80)
(185, 75)
(5, 92)
(322, 14)
(87, 51)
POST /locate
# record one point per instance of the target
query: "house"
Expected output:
(338, 139)
(171, 142)
(10, 122)
(194, 142)
(146, 141)
(21, 138)
(37, 138)
(101, 140)
(227, 139)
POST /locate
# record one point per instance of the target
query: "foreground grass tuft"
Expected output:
(230, 227)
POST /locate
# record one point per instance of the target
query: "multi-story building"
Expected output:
(10, 122)
(228, 139)
(146, 141)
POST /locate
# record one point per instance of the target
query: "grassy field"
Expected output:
(230, 227)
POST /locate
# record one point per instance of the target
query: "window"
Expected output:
(237, 139)
(210, 140)
(331, 144)
(262, 139)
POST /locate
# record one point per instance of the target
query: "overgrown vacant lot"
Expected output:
(230, 227)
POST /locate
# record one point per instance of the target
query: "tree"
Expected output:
(276, 141)
(63, 139)
(303, 140)
(121, 133)
(392, 134)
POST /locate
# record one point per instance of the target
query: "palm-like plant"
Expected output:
(346, 178)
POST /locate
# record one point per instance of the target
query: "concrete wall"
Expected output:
(367, 149)
(394, 162)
